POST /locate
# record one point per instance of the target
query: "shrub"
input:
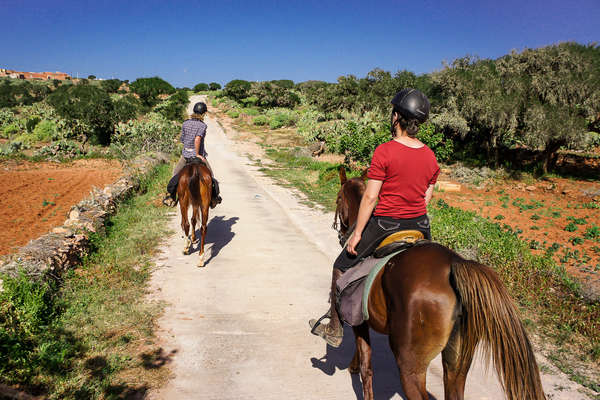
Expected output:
(88, 109)
(63, 149)
(10, 130)
(111, 85)
(237, 89)
(6, 117)
(153, 133)
(200, 87)
(250, 111)
(214, 86)
(233, 113)
(149, 88)
(126, 108)
(45, 131)
(435, 140)
(280, 117)
(308, 124)
(260, 120)
(31, 123)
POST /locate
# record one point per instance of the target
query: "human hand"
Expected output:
(353, 242)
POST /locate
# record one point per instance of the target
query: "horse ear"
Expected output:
(343, 178)
(364, 174)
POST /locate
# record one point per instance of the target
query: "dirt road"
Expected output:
(237, 329)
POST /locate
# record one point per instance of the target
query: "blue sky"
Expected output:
(187, 42)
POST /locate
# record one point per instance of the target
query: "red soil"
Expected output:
(553, 205)
(35, 197)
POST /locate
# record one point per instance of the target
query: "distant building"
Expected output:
(43, 76)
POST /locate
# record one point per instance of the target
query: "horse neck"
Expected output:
(354, 196)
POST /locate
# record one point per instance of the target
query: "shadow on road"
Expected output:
(386, 381)
(219, 233)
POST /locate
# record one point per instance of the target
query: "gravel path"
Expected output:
(237, 329)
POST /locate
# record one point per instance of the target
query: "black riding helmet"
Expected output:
(411, 104)
(200, 108)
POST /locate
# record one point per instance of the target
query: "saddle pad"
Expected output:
(351, 289)
(371, 278)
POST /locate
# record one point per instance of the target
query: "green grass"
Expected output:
(74, 341)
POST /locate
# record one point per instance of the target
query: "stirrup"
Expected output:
(318, 322)
(169, 202)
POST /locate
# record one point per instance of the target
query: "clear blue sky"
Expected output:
(187, 42)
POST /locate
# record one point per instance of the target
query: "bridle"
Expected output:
(342, 226)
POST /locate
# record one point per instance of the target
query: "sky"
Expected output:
(188, 42)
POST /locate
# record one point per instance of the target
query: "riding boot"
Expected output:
(170, 199)
(333, 331)
(215, 197)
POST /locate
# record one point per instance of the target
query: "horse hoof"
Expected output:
(200, 263)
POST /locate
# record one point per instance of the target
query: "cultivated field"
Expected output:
(34, 197)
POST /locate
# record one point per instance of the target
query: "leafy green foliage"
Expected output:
(201, 87)
(273, 95)
(174, 108)
(442, 147)
(260, 120)
(126, 108)
(149, 88)
(154, 133)
(111, 85)
(237, 89)
(233, 113)
(88, 108)
(45, 131)
(214, 86)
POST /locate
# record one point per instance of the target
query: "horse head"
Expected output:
(347, 204)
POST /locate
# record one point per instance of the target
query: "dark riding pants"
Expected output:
(377, 229)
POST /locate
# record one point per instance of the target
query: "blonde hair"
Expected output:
(198, 116)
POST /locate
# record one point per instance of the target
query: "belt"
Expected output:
(186, 149)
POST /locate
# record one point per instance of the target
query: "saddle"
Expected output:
(354, 286)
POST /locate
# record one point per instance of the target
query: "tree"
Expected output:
(91, 77)
(149, 88)
(88, 109)
(201, 87)
(214, 86)
(111, 85)
(237, 89)
(271, 95)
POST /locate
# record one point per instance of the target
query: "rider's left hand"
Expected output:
(353, 242)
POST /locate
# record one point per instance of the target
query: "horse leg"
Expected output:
(363, 349)
(454, 374)
(354, 367)
(410, 360)
(185, 225)
(194, 220)
(205, 205)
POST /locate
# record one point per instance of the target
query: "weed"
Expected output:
(535, 217)
(578, 221)
(571, 227)
(47, 203)
(592, 233)
(499, 217)
(535, 228)
(576, 240)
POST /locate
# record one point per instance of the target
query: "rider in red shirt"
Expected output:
(402, 175)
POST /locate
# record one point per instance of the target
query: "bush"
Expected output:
(237, 89)
(260, 120)
(250, 111)
(214, 86)
(154, 133)
(201, 87)
(111, 85)
(88, 109)
(435, 140)
(31, 123)
(64, 149)
(149, 88)
(10, 130)
(126, 108)
(233, 113)
(7, 117)
(280, 117)
(45, 131)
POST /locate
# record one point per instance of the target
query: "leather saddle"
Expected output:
(398, 241)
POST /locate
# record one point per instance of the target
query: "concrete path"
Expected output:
(237, 328)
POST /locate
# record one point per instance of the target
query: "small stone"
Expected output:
(74, 214)
(530, 188)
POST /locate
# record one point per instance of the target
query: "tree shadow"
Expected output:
(157, 358)
(218, 233)
(386, 380)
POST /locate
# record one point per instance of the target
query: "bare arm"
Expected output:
(197, 144)
(429, 194)
(367, 204)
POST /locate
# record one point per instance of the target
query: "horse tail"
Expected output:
(489, 315)
(194, 184)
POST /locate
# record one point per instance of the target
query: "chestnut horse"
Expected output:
(194, 188)
(428, 300)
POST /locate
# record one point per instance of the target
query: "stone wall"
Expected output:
(50, 255)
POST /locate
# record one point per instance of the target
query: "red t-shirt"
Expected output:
(406, 173)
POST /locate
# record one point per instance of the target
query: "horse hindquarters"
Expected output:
(421, 314)
(491, 317)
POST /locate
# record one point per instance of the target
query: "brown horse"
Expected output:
(194, 188)
(429, 300)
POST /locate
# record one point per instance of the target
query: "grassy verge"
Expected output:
(92, 336)
(550, 301)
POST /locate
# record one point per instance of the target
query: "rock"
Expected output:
(62, 231)
(74, 214)
(444, 186)
(530, 188)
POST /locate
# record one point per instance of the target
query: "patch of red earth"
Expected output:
(554, 204)
(35, 197)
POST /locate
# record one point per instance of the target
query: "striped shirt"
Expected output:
(189, 130)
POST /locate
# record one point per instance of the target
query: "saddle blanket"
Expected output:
(353, 287)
